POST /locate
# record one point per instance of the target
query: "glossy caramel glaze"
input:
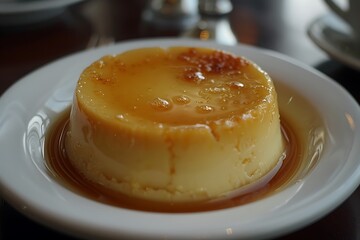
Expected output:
(160, 123)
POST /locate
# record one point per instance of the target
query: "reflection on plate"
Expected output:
(25, 182)
(17, 12)
(335, 37)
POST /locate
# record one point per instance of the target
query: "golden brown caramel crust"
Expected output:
(161, 123)
(211, 85)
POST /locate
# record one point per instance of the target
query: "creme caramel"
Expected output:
(178, 124)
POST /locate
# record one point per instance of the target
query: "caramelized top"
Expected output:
(175, 86)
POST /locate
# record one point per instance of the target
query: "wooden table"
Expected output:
(279, 25)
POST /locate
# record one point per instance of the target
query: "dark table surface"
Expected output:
(279, 25)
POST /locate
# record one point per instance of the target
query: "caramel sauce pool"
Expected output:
(303, 146)
(61, 168)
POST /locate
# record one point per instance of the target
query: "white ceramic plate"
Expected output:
(18, 12)
(335, 37)
(29, 106)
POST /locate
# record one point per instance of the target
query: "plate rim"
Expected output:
(315, 35)
(17, 7)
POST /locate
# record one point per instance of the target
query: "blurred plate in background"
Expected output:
(14, 13)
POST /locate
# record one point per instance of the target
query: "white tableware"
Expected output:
(335, 38)
(30, 105)
(13, 13)
(351, 14)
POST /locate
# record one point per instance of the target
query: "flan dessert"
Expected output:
(174, 124)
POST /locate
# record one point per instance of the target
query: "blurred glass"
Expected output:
(213, 23)
(179, 14)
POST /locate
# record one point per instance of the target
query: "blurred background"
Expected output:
(276, 24)
(34, 33)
